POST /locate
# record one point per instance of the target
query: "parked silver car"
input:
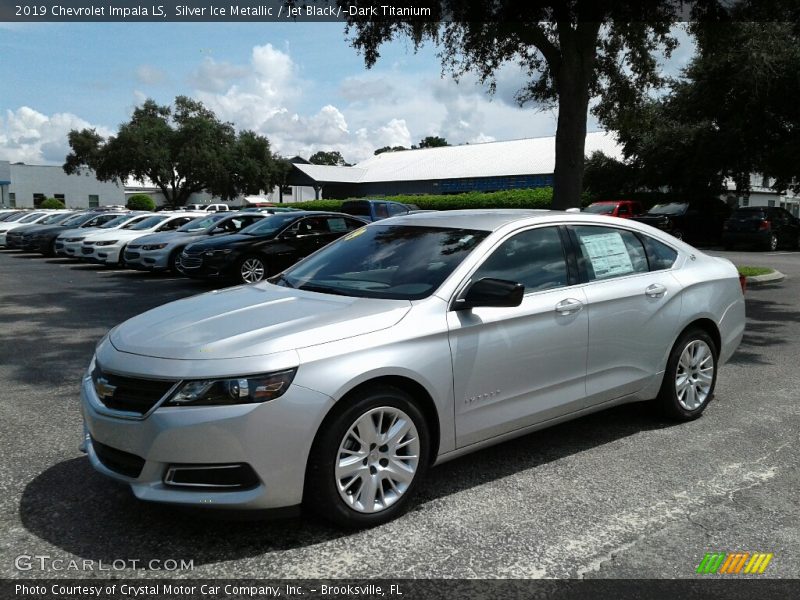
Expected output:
(162, 251)
(404, 344)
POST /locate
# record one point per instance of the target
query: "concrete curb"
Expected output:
(773, 277)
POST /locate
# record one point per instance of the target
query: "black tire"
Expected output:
(321, 492)
(251, 259)
(672, 406)
(172, 261)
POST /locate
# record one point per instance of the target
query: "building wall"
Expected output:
(27, 180)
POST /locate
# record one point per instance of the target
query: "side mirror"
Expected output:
(491, 292)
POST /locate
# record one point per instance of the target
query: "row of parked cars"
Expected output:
(712, 222)
(238, 246)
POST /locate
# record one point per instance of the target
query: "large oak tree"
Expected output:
(571, 50)
(181, 150)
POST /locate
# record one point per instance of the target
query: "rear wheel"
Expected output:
(251, 269)
(772, 243)
(691, 375)
(368, 460)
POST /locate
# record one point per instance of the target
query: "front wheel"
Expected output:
(368, 460)
(690, 377)
(251, 269)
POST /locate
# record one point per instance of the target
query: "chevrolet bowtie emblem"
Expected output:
(103, 388)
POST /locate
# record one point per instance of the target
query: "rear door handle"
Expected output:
(655, 291)
(569, 306)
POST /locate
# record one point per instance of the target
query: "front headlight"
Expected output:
(218, 252)
(109, 243)
(238, 390)
(153, 246)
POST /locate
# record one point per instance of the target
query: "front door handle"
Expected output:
(569, 306)
(655, 291)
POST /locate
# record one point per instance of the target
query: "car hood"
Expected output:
(104, 235)
(252, 320)
(173, 236)
(223, 241)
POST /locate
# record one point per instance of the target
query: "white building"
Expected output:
(762, 195)
(27, 186)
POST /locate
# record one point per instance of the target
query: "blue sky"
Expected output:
(301, 85)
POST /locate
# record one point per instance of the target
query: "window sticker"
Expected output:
(608, 254)
(337, 225)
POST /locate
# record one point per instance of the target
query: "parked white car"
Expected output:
(69, 243)
(107, 247)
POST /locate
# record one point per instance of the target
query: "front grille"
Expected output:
(87, 250)
(129, 394)
(59, 245)
(118, 461)
(134, 246)
(191, 261)
(131, 255)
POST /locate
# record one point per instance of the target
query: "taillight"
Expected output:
(743, 283)
(764, 225)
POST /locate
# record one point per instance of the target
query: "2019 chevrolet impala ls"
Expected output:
(403, 344)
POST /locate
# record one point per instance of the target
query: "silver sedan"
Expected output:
(404, 344)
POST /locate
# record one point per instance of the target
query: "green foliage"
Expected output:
(529, 198)
(749, 271)
(571, 50)
(333, 158)
(141, 202)
(390, 149)
(432, 141)
(181, 150)
(606, 178)
(733, 113)
(52, 203)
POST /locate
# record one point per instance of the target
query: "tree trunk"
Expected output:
(573, 106)
(573, 76)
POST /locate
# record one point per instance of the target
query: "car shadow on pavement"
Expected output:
(101, 520)
(765, 331)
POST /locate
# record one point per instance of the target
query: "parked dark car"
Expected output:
(766, 227)
(264, 248)
(375, 210)
(696, 221)
(43, 241)
(16, 238)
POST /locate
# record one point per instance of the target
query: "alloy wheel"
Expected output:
(252, 270)
(773, 242)
(695, 375)
(377, 459)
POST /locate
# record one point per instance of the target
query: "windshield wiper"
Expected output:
(281, 278)
(323, 289)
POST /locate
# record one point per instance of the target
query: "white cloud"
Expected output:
(29, 136)
(150, 75)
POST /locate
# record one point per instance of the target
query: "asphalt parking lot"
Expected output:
(617, 494)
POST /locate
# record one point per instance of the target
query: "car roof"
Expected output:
(488, 219)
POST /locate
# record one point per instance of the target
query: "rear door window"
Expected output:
(606, 252)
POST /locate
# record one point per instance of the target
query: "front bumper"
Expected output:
(273, 438)
(104, 255)
(208, 267)
(146, 260)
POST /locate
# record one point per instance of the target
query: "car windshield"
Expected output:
(31, 217)
(672, 208)
(77, 219)
(202, 223)
(115, 222)
(600, 209)
(745, 214)
(147, 223)
(269, 225)
(397, 262)
(356, 208)
(54, 219)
